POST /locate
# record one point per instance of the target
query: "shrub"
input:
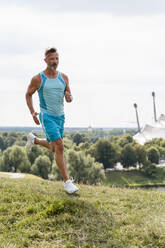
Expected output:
(104, 152)
(128, 156)
(83, 168)
(41, 166)
(149, 169)
(153, 155)
(15, 159)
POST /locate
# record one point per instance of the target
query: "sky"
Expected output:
(112, 52)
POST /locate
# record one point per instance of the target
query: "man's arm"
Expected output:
(68, 95)
(33, 86)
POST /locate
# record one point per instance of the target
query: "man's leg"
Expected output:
(42, 142)
(32, 139)
(58, 148)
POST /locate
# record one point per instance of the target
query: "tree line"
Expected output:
(87, 155)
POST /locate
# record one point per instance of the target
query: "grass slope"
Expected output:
(10, 174)
(135, 178)
(39, 214)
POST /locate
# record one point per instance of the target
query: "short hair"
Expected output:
(50, 50)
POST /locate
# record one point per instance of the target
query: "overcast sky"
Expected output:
(112, 51)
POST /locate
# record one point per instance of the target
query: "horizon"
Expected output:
(40, 127)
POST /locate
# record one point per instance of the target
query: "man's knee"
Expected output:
(58, 146)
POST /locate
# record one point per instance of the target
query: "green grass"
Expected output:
(39, 214)
(135, 178)
(8, 175)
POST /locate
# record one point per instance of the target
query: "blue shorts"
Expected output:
(53, 126)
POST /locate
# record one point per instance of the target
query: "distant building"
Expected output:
(90, 128)
(149, 132)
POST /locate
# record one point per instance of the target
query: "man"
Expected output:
(52, 87)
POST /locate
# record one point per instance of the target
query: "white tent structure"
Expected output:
(150, 132)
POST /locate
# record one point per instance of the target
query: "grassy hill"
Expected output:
(35, 213)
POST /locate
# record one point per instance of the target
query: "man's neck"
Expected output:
(51, 72)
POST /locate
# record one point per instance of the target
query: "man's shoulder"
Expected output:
(65, 77)
(36, 78)
(36, 81)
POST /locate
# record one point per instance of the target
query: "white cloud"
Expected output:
(111, 62)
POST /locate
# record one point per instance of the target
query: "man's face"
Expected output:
(52, 60)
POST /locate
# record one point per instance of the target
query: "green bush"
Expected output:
(34, 153)
(141, 154)
(153, 155)
(83, 168)
(128, 156)
(149, 169)
(125, 140)
(2, 143)
(15, 159)
(41, 166)
(104, 152)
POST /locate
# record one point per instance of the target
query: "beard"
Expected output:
(53, 67)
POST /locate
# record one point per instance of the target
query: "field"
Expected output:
(135, 178)
(36, 213)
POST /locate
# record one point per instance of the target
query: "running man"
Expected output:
(52, 86)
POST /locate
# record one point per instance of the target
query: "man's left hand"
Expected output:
(68, 96)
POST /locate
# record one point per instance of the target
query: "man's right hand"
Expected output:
(35, 118)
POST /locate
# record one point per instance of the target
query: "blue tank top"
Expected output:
(51, 94)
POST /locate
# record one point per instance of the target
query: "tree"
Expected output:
(84, 146)
(128, 156)
(24, 138)
(83, 168)
(105, 153)
(1, 164)
(19, 160)
(5, 134)
(125, 140)
(153, 142)
(68, 143)
(13, 134)
(113, 139)
(79, 138)
(149, 169)
(141, 154)
(41, 166)
(20, 143)
(162, 152)
(34, 153)
(2, 144)
(153, 155)
(15, 159)
(6, 164)
(81, 147)
(10, 140)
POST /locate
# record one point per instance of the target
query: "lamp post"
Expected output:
(137, 118)
(155, 118)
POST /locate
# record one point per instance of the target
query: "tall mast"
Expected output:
(154, 106)
(137, 118)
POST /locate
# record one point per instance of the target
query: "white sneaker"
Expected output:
(30, 141)
(70, 187)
